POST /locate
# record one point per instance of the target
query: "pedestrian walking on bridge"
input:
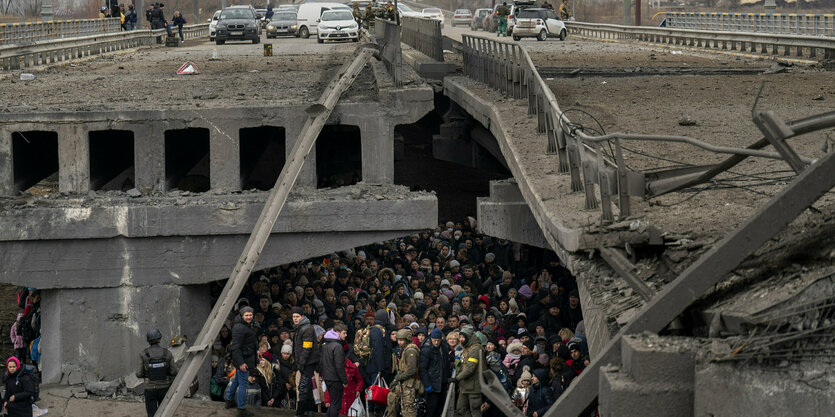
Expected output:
(502, 12)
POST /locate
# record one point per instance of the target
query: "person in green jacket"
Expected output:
(467, 375)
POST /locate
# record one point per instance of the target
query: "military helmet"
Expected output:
(154, 335)
(405, 334)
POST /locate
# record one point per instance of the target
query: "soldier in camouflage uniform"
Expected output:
(369, 16)
(467, 377)
(407, 384)
(357, 14)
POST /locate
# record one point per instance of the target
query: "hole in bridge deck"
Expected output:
(338, 156)
(187, 159)
(262, 156)
(111, 160)
(35, 161)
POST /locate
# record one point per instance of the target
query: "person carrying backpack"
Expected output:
(20, 390)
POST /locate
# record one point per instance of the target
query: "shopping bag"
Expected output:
(378, 392)
(357, 409)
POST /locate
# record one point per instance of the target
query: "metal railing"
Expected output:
(424, 35)
(388, 43)
(782, 23)
(774, 44)
(54, 51)
(28, 32)
(507, 67)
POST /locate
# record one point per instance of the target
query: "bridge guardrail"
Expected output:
(803, 46)
(25, 56)
(27, 32)
(387, 35)
(424, 35)
(507, 67)
(782, 23)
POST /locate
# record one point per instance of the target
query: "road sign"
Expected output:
(188, 69)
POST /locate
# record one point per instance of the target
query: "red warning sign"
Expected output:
(188, 69)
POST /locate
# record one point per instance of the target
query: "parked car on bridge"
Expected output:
(213, 25)
(515, 8)
(539, 23)
(462, 17)
(308, 16)
(434, 13)
(238, 23)
(477, 22)
(282, 23)
(337, 25)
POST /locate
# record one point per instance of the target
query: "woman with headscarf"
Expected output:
(17, 402)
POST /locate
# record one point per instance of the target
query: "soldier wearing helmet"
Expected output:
(407, 384)
(156, 365)
(467, 375)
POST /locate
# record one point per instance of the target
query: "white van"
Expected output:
(307, 19)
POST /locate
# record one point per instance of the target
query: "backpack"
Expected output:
(362, 342)
(34, 376)
(22, 294)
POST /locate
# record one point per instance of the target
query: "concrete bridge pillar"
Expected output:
(6, 168)
(149, 159)
(73, 159)
(225, 158)
(292, 129)
(106, 332)
(377, 150)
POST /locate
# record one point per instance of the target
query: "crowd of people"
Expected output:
(423, 314)
(22, 376)
(155, 16)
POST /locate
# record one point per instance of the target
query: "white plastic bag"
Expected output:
(357, 409)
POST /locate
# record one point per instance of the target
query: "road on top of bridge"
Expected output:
(146, 79)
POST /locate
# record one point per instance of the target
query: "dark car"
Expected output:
(282, 23)
(238, 23)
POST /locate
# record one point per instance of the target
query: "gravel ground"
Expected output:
(146, 78)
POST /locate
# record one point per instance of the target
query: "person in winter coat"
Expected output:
(287, 366)
(17, 338)
(380, 360)
(333, 366)
(179, 21)
(354, 388)
(17, 402)
(523, 388)
(266, 379)
(467, 375)
(514, 353)
(539, 397)
(243, 350)
(434, 371)
(306, 353)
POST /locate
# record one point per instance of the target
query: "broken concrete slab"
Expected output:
(103, 388)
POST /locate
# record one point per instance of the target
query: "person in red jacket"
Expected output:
(354, 388)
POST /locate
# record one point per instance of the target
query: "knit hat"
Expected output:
(453, 263)
(540, 374)
(526, 376)
(436, 334)
(526, 291)
(382, 315)
(490, 256)
(247, 309)
(287, 349)
(418, 295)
(298, 310)
(13, 359)
(514, 346)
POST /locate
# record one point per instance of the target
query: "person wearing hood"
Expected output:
(306, 353)
(243, 349)
(379, 362)
(467, 375)
(540, 397)
(434, 371)
(17, 401)
(333, 366)
(407, 384)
